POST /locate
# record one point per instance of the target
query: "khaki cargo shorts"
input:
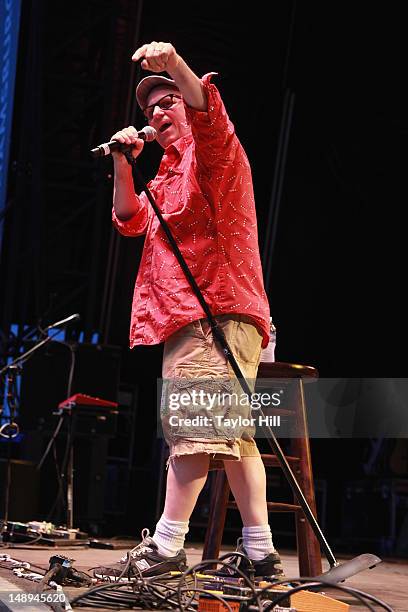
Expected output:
(193, 360)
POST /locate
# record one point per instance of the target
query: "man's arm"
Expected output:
(130, 212)
(126, 203)
(162, 57)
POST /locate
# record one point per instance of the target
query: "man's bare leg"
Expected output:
(185, 479)
(247, 479)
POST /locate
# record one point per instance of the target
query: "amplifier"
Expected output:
(90, 415)
(24, 489)
(373, 513)
(91, 421)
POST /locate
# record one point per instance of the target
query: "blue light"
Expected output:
(9, 27)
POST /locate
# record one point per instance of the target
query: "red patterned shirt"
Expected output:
(204, 189)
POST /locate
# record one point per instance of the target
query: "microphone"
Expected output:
(70, 319)
(148, 134)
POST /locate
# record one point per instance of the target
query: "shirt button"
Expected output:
(171, 171)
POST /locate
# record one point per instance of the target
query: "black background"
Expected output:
(338, 267)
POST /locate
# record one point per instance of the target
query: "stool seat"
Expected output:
(299, 459)
(281, 370)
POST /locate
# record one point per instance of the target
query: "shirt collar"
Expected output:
(176, 150)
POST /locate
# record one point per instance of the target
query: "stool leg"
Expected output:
(310, 563)
(218, 509)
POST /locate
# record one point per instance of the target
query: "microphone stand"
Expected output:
(10, 371)
(350, 567)
(9, 430)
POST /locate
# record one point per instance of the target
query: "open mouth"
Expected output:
(164, 127)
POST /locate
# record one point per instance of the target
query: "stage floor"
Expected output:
(388, 581)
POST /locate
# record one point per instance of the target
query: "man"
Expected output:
(204, 190)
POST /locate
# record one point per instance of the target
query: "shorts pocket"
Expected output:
(247, 342)
(198, 365)
(191, 406)
(202, 328)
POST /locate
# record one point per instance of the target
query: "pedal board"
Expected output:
(43, 533)
(236, 593)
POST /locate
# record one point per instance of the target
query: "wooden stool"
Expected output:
(293, 376)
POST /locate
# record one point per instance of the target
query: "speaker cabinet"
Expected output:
(24, 490)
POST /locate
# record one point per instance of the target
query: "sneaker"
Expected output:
(142, 561)
(269, 568)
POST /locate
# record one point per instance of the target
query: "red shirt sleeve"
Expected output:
(136, 225)
(213, 132)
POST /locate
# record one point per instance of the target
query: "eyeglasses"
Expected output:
(164, 103)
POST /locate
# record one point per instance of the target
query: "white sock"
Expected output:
(169, 536)
(257, 541)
